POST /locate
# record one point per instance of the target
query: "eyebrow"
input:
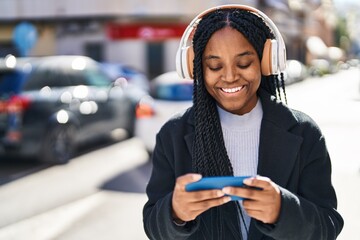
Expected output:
(247, 53)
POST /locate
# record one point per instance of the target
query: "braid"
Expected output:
(277, 84)
(210, 155)
(209, 149)
(283, 86)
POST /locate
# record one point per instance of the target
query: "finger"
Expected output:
(254, 205)
(192, 204)
(187, 178)
(266, 217)
(202, 195)
(266, 211)
(246, 193)
(195, 209)
(254, 214)
(259, 182)
(207, 204)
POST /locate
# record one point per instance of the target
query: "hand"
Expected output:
(188, 205)
(263, 205)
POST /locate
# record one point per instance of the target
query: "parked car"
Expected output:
(51, 105)
(132, 75)
(169, 94)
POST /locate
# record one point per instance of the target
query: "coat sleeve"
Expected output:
(157, 212)
(310, 211)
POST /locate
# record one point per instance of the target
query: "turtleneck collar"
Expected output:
(246, 121)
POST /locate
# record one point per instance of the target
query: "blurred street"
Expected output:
(100, 194)
(334, 103)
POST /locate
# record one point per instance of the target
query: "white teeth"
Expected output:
(231, 90)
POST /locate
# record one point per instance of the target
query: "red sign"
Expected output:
(144, 31)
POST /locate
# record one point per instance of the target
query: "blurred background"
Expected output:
(85, 86)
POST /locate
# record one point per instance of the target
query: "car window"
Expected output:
(47, 77)
(76, 78)
(59, 79)
(37, 80)
(95, 77)
(61, 75)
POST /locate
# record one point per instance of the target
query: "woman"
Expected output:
(238, 126)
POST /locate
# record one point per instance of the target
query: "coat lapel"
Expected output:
(278, 151)
(278, 148)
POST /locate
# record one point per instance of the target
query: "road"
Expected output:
(100, 194)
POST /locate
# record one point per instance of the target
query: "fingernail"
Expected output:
(226, 190)
(248, 181)
(197, 177)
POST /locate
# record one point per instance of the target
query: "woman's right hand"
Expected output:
(188, 205)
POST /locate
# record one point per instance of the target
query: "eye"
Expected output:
(215, 69)
(243, 66)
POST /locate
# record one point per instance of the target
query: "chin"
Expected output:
(235, 109)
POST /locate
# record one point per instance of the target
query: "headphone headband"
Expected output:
(273, 62)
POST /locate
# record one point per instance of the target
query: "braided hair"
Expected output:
(210, 155)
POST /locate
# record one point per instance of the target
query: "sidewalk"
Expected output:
(106, 215)
(72, 201)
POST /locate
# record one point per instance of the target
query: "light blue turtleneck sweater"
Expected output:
(241, 136)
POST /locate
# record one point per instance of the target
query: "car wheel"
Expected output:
(59, 144)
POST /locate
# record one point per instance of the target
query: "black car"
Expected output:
(50, 105)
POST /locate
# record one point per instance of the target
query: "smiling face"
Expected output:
(231, 71)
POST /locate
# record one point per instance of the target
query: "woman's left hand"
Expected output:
(263, 205)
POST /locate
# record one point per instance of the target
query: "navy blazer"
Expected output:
(292, 153)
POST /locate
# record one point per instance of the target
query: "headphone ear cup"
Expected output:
(184, 62)
(269, 64)
(190, 62)
(178, 63)
(282, 58)
(185, 53)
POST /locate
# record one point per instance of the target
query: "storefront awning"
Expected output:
(145, 31)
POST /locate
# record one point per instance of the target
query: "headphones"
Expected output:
(274, 53)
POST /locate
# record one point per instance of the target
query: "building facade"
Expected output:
(143, 33)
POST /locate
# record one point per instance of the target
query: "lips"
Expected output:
(232, 90)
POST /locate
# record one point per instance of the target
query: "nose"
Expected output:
(229, 74)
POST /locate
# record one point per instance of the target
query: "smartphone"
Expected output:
(208, 183)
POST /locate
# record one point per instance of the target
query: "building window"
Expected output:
(155, 58)
(95, 51)
(8, 48)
